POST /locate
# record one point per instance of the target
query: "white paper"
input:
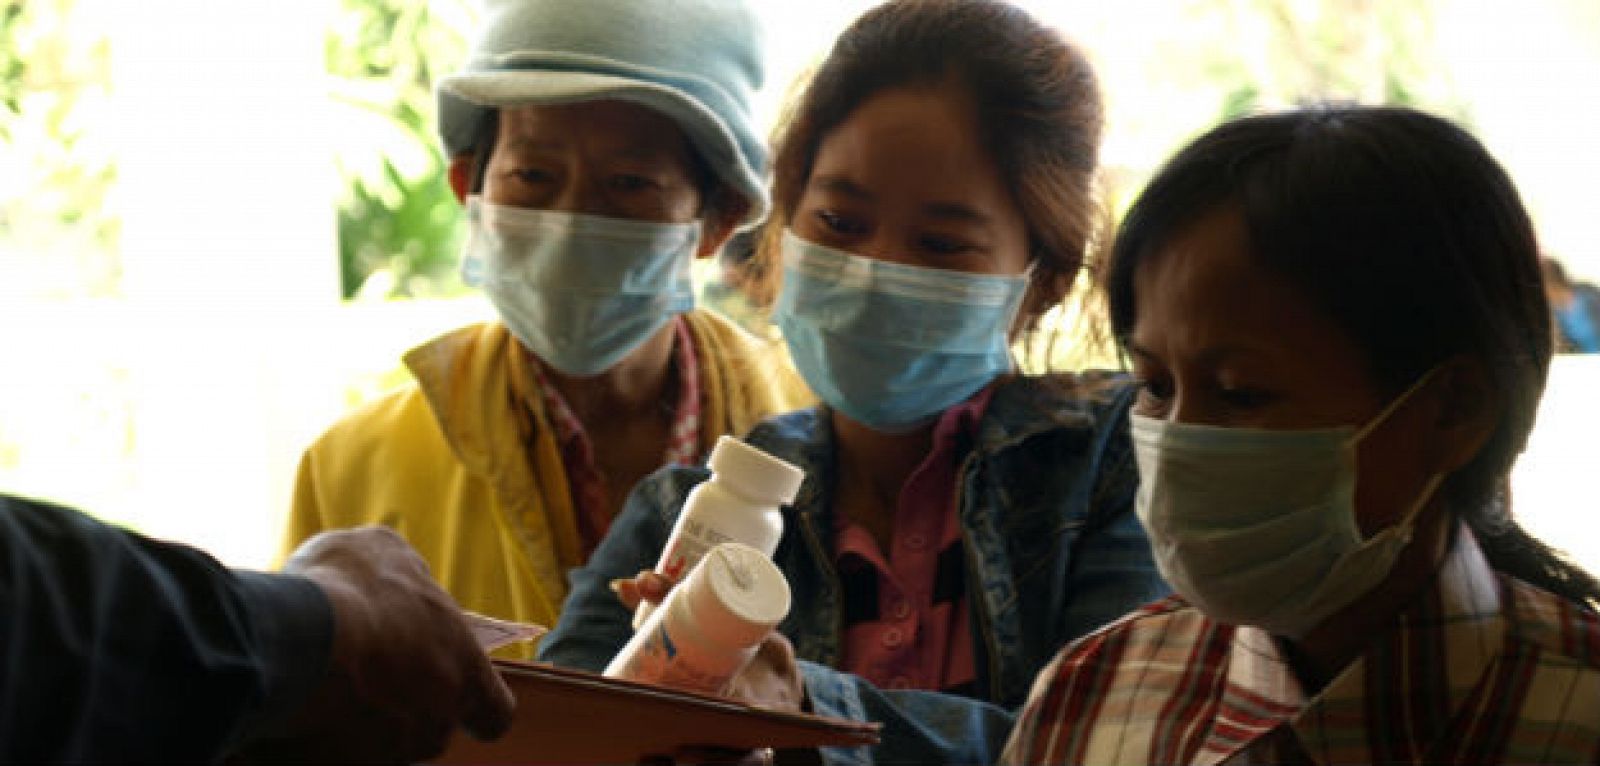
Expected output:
(492, 634)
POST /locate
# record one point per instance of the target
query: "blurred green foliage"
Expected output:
(399, 223)
(12, 69)
(1250, 56)
(58, 233)
(1290, 52)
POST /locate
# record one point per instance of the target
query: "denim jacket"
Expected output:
(1053, 550)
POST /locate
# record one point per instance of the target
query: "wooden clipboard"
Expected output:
(571, 717)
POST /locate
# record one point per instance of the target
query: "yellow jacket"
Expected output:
(441, 462)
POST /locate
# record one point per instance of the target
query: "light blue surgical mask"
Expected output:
(580, 291)
(889, 345)
(1258, 527)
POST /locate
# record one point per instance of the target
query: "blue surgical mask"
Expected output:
(580, 291)
(1258, 527)
(888, 345)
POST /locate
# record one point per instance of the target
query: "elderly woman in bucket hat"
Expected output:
(598, 148)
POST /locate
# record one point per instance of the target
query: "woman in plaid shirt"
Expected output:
(1337, 320)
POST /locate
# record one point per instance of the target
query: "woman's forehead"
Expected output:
(1203, 292)
(610, 127)
(916, 138)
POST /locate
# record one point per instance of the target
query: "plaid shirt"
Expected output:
(1482, 668)
(590, 498)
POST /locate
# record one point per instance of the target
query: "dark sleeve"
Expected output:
(115, 647)
(594, 625)
(918, 726)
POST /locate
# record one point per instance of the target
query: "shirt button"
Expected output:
(900, 682)
(900, 609)
(916, 542)
(893, 638)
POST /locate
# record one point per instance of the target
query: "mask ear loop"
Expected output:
(1406, 526)
(1400, 400)
(1015, 322)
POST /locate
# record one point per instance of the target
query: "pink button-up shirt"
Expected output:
(906, 618)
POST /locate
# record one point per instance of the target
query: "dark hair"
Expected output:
(1406, 233)
(1038, 107)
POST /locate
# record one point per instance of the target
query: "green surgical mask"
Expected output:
(1258, 527)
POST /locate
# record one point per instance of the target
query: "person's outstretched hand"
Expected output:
(771, 679)
(405, 670)
(647, 585)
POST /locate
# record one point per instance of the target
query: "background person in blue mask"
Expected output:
(598, 147)
(959, 521)
(1337, 322)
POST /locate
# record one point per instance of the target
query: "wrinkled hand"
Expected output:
(404, 670)
(772, 679)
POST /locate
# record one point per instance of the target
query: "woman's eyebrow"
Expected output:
(640, 152)
(840, 184)
(517, 144)
(1210, 355)
(955, 212)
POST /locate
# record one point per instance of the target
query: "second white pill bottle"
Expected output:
(741, 502)
(710, 625)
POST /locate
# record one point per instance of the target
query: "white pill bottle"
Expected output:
(710, 625)
(741, 503)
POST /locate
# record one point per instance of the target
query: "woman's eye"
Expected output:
(1244, 398)
(945, 245)
(839, 223)
(533, 175)
(630, 183)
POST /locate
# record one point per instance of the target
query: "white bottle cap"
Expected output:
(741, 595)
(754, 473)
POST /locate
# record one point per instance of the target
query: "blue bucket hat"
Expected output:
(696, 61)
